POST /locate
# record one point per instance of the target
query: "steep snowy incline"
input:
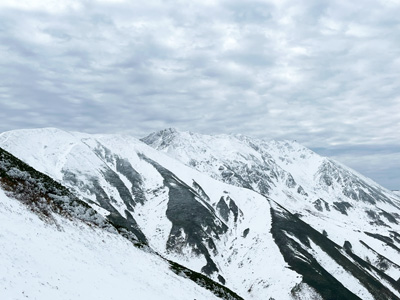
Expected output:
(332, 198)
(54, 245)
(71, 260)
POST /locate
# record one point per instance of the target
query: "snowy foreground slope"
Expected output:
(266, 219)
(75, 261)
(53, 246)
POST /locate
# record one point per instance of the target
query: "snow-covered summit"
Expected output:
(265, 165)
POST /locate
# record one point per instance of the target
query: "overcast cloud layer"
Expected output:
(324, 73)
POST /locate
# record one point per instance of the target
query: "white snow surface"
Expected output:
(263, 275)
(340, 273)
(288, 158)
(201, 158)
(74, 261)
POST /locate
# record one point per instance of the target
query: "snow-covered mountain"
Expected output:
(54, 246)
(266, 219)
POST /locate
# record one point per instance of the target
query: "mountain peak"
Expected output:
(169, 130)
(161, 139)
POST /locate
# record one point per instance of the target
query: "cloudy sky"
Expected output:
(324, 73)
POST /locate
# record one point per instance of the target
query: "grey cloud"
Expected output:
(323, 73)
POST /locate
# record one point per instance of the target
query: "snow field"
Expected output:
(74, 261)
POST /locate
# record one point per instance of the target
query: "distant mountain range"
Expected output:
(234, 217)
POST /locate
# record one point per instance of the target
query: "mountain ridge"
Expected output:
(55, 245)
(226, 185)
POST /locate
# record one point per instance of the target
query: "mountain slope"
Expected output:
(55, 246)
(264, 219)
(169, 195)
(335, 200)
(75, 261)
